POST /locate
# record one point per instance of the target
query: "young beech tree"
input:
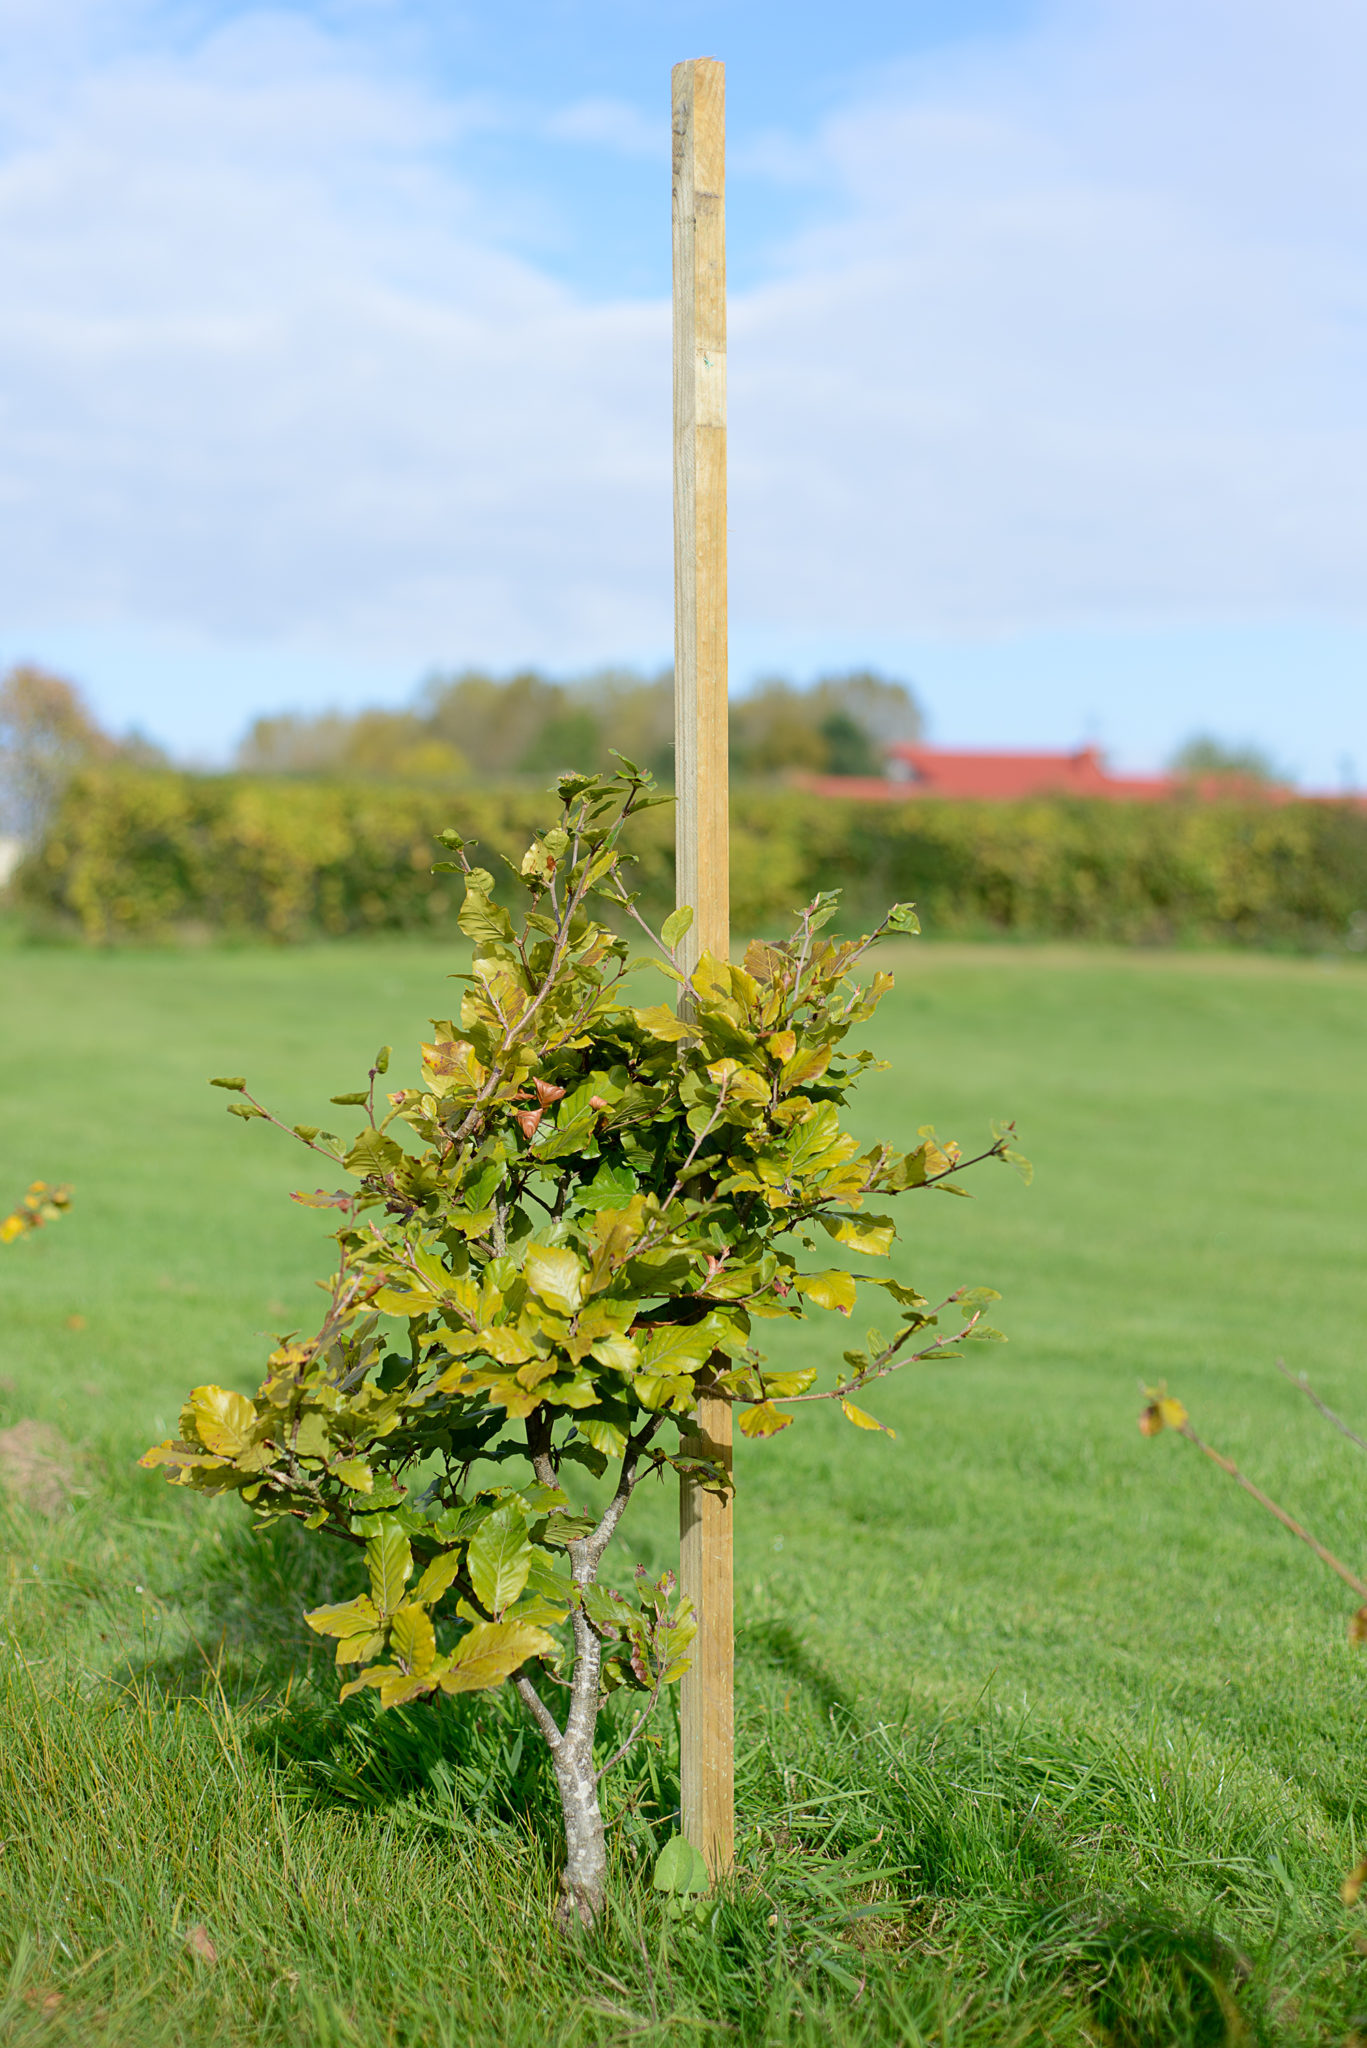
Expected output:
(597, 1202)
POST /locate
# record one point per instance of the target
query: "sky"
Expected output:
(334, 350)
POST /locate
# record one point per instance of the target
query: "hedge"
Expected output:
(152, 855)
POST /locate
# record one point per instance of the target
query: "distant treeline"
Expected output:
(474, 726)
(135, 855)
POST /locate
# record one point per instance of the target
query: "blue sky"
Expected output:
(335, 348)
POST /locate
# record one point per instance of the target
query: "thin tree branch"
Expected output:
(1264, 1500)
(637, 1725)
(1302, 1385)
(539, 1711)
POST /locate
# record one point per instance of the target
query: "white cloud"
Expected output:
(1077, 337)
(609, 124)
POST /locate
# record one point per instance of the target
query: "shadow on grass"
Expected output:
(947, 1843)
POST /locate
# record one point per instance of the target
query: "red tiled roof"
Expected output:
(1000, 778)
(983, 777)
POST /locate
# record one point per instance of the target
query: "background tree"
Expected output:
(1203, 756)
(526, 723)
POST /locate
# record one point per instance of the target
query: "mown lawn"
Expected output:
(1047, 1734)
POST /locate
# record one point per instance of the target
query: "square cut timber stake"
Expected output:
(707, 1744)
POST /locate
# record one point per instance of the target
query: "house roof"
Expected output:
(982, 776)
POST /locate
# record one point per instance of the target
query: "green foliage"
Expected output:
(599, 1208)
(137, 856)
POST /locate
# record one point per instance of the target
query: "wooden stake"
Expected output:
(702, 855)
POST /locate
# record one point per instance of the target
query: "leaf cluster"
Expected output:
(41, 1204)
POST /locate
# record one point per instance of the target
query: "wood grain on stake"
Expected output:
(702, 851)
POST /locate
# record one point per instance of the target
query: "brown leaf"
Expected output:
(547, 1093)
(198, 1942)
(527, 1120)
(1357, 1627)
(1350, 1891)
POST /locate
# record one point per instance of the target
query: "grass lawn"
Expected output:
(1047, 1734)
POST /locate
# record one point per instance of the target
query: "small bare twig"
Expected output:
(1303, 1386)
(1359, 1586)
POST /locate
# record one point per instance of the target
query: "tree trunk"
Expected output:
(586, 1858)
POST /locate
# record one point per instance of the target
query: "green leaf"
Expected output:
(373, 1153)
(612, 1187)
(679, 1869)
(382, 1059)
(500, 1558)
(902, 918)
(390, 1558)
(246, 1110)
(237, 1082)
(492, 1651)
(676, 924)
(481, 919)
(356, 1100)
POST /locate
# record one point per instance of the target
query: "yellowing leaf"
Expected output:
(619, 1354)
(862, 1421)
(355, 1473)
(491, 1652)
(833, 1289)
(1172, 1412)
(604, 1436)
(360, 1649)
(352, 1618)
(655, 1390)
(676, 1347)
(395, 1301)
(223, 1421)
(509, 1347)
(661, 1022)
(556, 1276)
(438, 1576)
(1350, 1891)
(872, 1235)
(411, 1640)
(785, 1384)
(763, 1420)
